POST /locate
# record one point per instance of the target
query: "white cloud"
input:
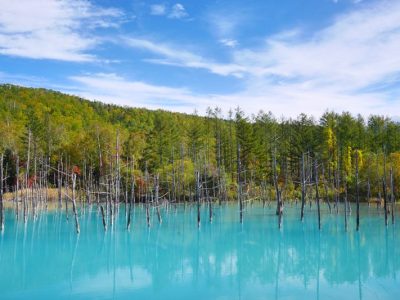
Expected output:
(178, 11)
(51, 29)
(158, 10)
(229, 42)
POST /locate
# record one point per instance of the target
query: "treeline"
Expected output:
(42, 129)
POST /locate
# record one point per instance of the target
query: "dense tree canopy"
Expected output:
(80, 131)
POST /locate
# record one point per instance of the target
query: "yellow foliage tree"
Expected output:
(359, 155)
(347, 160)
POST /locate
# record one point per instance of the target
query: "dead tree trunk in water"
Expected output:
(317, 193)
(27, 176)
(198, 187)
(17, 187)
(156, 196)
(385, 191)
(336, 189)
(1, 193)
(303, 187)
(385, 200)
(276, 186)
(263, 192)
(345, 205)
(126, 195)
(392, 193)
(357, 195)
(108, 201)
(146, 178)
(59, 183)
(103, 218)
(336, 180)
(182, 175)
(132, 197)
(110, 184)
(210, 211)
(33, 188)
(239, 182)
(368, 192)
(74, 203)
(46, 183)
(279, 207)
(66, 191)
(118, 174)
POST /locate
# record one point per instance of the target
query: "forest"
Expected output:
(106, 152)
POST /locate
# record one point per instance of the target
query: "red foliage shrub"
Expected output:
(76, 170)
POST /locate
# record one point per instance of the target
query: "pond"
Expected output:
(46, 259)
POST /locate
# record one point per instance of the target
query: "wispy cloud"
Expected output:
(229, 42)
(175, 11)
(176, 56)
(158, 10)
(52, 29)
(178, 11)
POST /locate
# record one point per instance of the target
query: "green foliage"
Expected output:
(79, 131)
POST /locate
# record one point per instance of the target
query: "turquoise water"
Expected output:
(224, 260)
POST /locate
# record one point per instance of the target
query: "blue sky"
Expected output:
(284, 56)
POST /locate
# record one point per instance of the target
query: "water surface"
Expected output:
(46, 259)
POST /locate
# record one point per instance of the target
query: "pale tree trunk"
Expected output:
(317, 193)
(392, 194)
(357, 196)
(345, 205)
(17, 187)
(74, 203)
(156, 191)
(132, 197)
(239, 183)
(1, 193)
(303, 187)
(385, 191)
(27, 177)
(198, 187)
